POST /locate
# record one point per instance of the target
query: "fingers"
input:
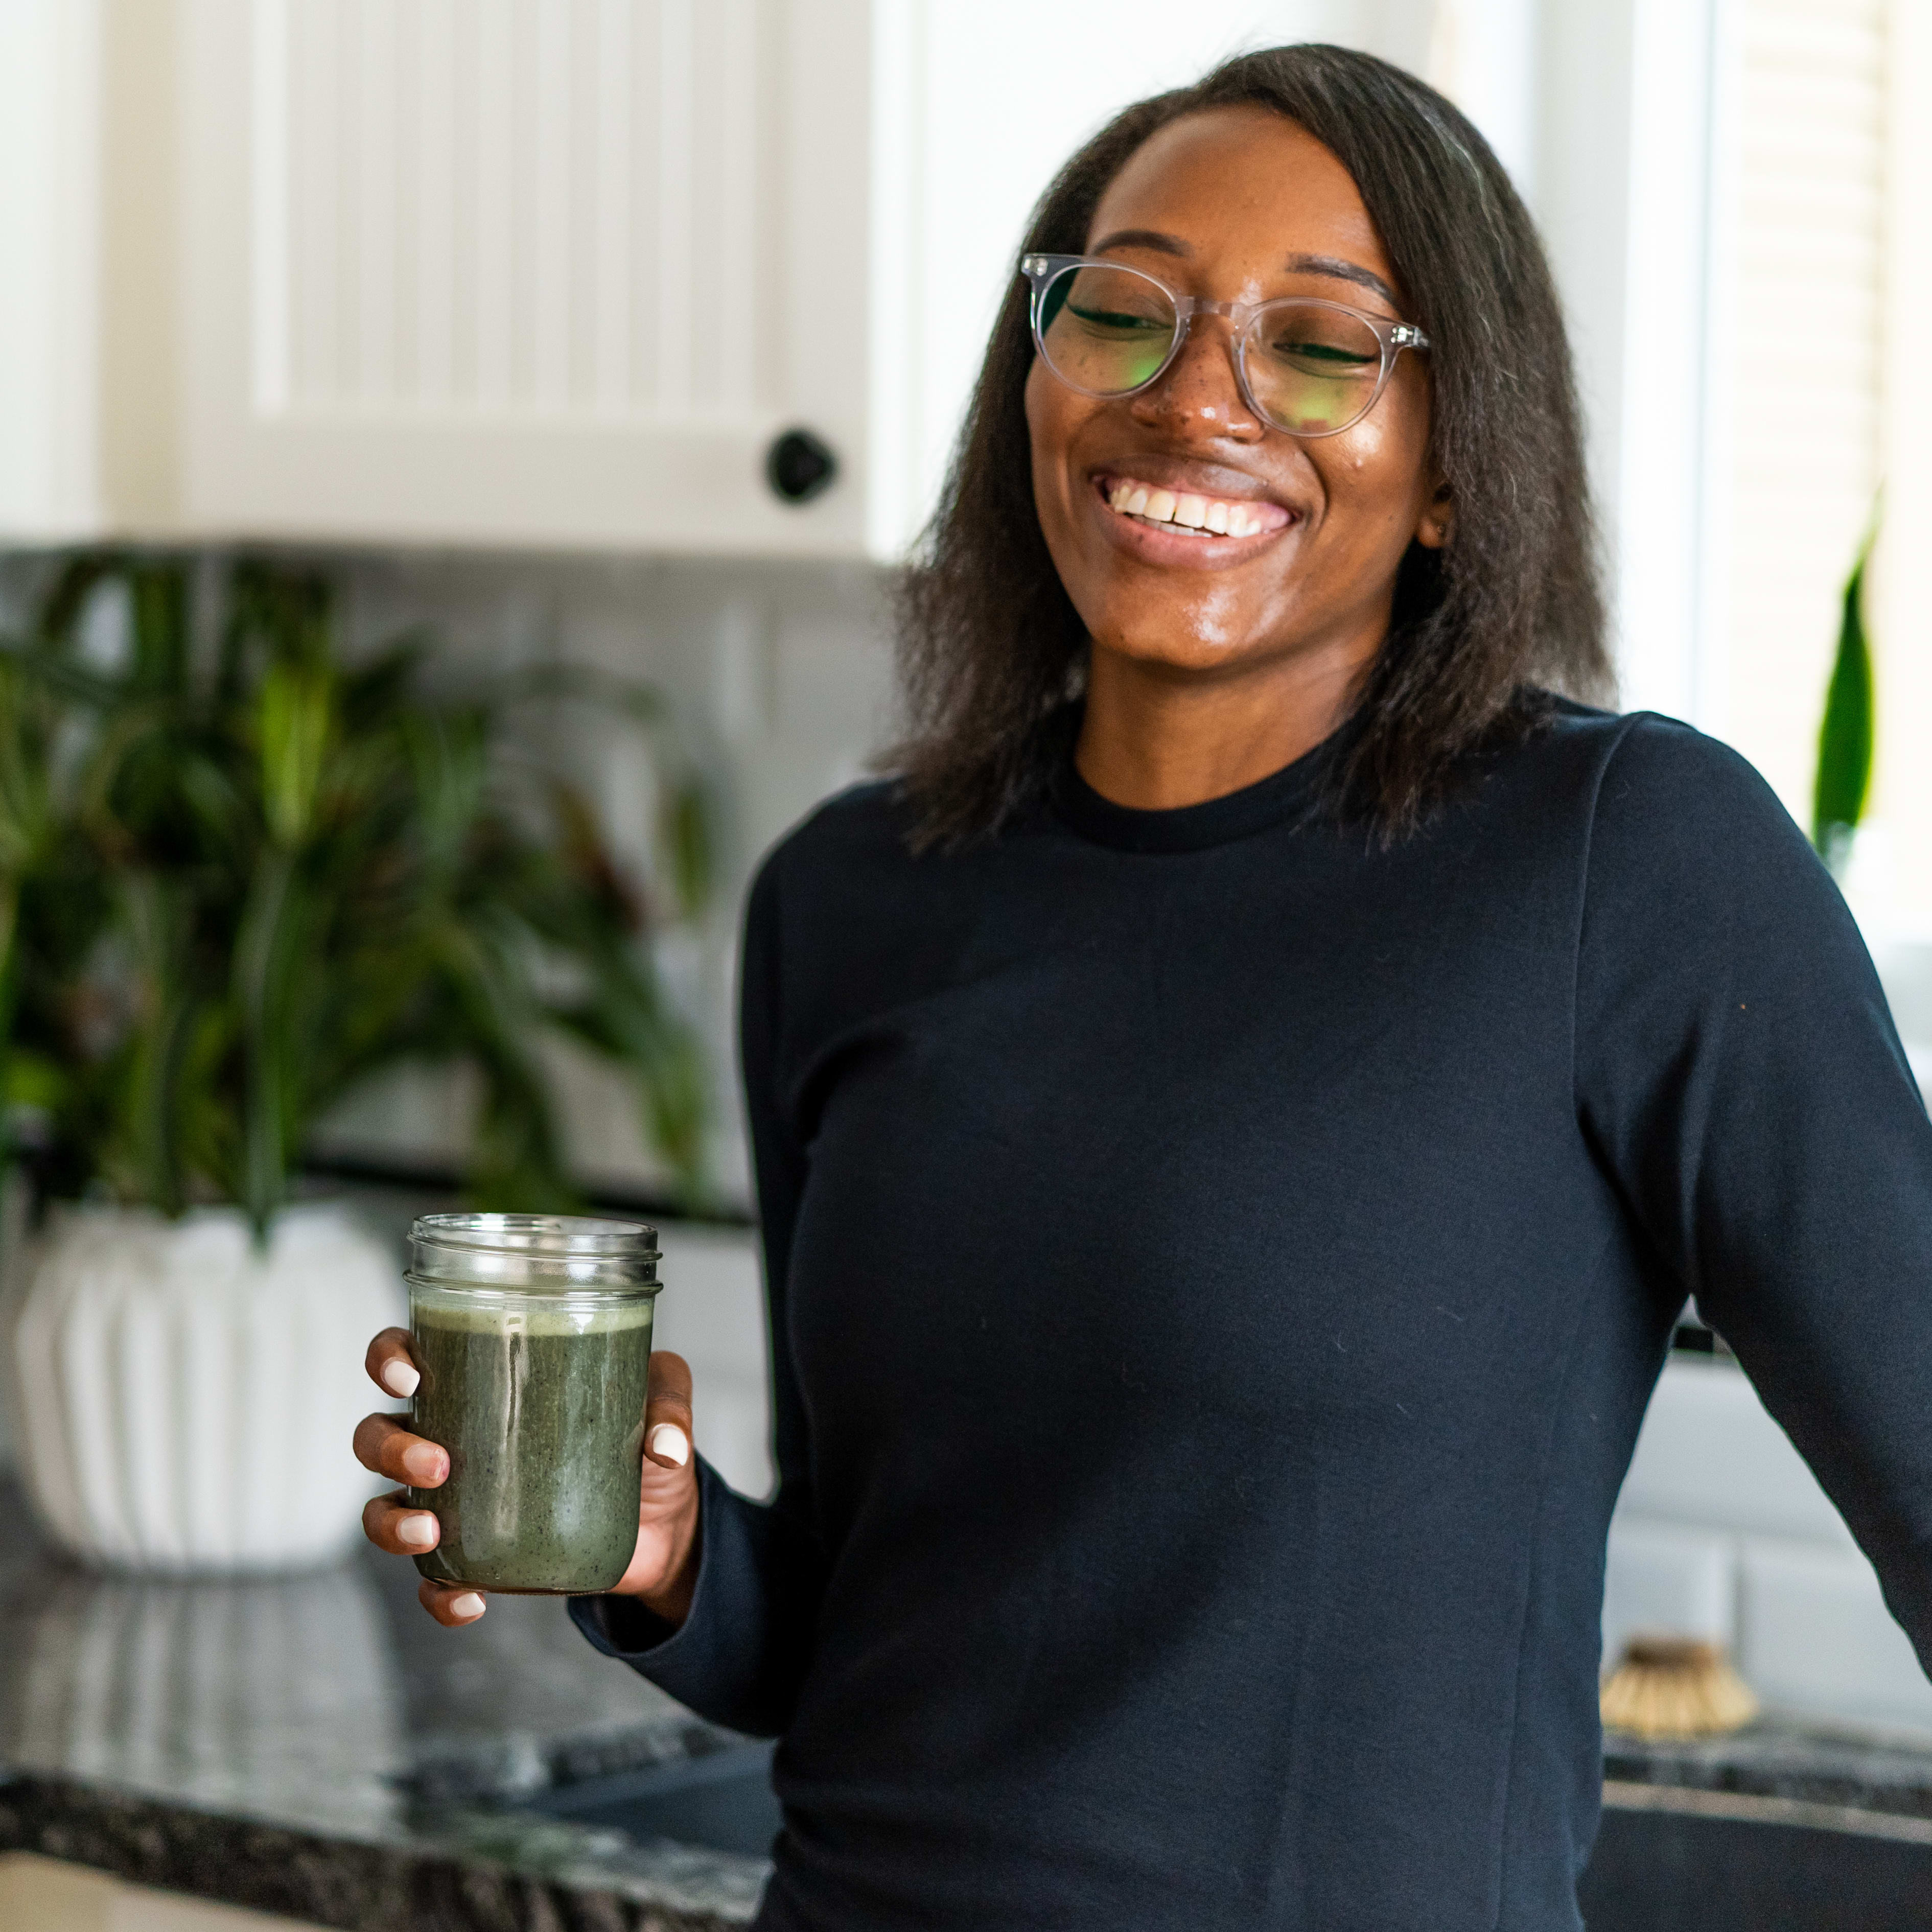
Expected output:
(383, 1444)
(390, 1523)
(668, 1411)
(390, 1366)
(454, 1604)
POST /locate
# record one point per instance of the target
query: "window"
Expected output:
(1797, 364)
(1821, 197)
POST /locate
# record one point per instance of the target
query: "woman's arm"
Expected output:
(1739, 1073)
(739, 1654)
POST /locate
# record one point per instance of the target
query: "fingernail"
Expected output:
(670, 1442)
(424, 1462)
(400, 1379)
(418, 1528)
(470, 1604)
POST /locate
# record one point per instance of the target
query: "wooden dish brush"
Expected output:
(1675, 1686)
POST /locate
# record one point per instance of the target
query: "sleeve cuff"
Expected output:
(626, 1628)
(719, 1661)
(621, 1627)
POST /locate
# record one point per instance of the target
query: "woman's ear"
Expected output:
(1439, 520)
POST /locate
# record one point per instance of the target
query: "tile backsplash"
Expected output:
(780, 676)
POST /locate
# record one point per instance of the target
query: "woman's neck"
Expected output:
(1154, 738)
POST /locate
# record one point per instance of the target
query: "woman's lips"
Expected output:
(1194, 522)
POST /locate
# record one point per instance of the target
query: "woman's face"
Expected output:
(1236, 205)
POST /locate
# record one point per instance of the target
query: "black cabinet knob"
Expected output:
(799, 466)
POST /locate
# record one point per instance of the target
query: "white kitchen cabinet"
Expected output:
(547, 273)
(542, 272)
(529, 272)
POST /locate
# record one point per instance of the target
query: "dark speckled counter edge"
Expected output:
(459, 1867)
(1788, 1760)
(440, 1879)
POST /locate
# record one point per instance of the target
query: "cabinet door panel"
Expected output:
(522, 271)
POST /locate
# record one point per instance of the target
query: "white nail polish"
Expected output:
(418, 1530)
(400, 1379)
(470, 1604)
(670, 1442)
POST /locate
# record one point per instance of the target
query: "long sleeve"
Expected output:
(1739, 1074)
(740, 1655)
(1236, 1259)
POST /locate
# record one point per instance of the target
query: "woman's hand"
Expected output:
(663, 1571)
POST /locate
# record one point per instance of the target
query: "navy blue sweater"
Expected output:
(1217, 1267)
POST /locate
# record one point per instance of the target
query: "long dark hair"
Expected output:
(991, 652)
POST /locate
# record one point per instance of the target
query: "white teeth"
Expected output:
(1214, 514)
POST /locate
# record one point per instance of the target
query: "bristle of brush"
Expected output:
(1675, 1687)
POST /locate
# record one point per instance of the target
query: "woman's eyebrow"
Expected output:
(1331, 266)
(1342, 271)
(1143, 237)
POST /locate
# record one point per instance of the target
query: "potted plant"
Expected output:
(239, 875)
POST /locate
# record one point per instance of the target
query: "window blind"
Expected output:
(1801, 325)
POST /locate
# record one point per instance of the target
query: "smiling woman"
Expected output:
(1237, 1113)
(1301, 182)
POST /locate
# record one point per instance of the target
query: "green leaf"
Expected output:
(160, 597)
(1845, 736)
(297, 712)
(270, 952)
(35, 1080)
(687, 839)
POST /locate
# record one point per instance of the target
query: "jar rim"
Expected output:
(538, 1234)
(539, 1253)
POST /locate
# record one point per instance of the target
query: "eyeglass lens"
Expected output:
(1312, 370)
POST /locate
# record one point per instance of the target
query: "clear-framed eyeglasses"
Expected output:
(1310, 368)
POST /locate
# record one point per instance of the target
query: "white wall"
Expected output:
(711, 1312)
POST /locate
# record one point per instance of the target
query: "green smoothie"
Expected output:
(542, 1412)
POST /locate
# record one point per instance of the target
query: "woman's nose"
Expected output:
(1201, 394)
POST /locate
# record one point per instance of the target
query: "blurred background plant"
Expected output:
(1846, 734)
(239, 875)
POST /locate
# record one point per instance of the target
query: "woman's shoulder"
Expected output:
(1675, 817)
(851, 872)
(1641, 766)
(865, 826)
(848, 913)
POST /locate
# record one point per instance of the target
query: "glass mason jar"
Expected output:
(533, 1334)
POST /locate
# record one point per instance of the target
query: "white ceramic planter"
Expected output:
(183, 1404)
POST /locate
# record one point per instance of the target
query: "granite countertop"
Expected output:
(1783, 1769)
(315, 1746)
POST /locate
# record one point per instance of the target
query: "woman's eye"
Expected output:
(1102, 318)
(1326, 354)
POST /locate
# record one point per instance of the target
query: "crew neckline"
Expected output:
(1281, 795)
